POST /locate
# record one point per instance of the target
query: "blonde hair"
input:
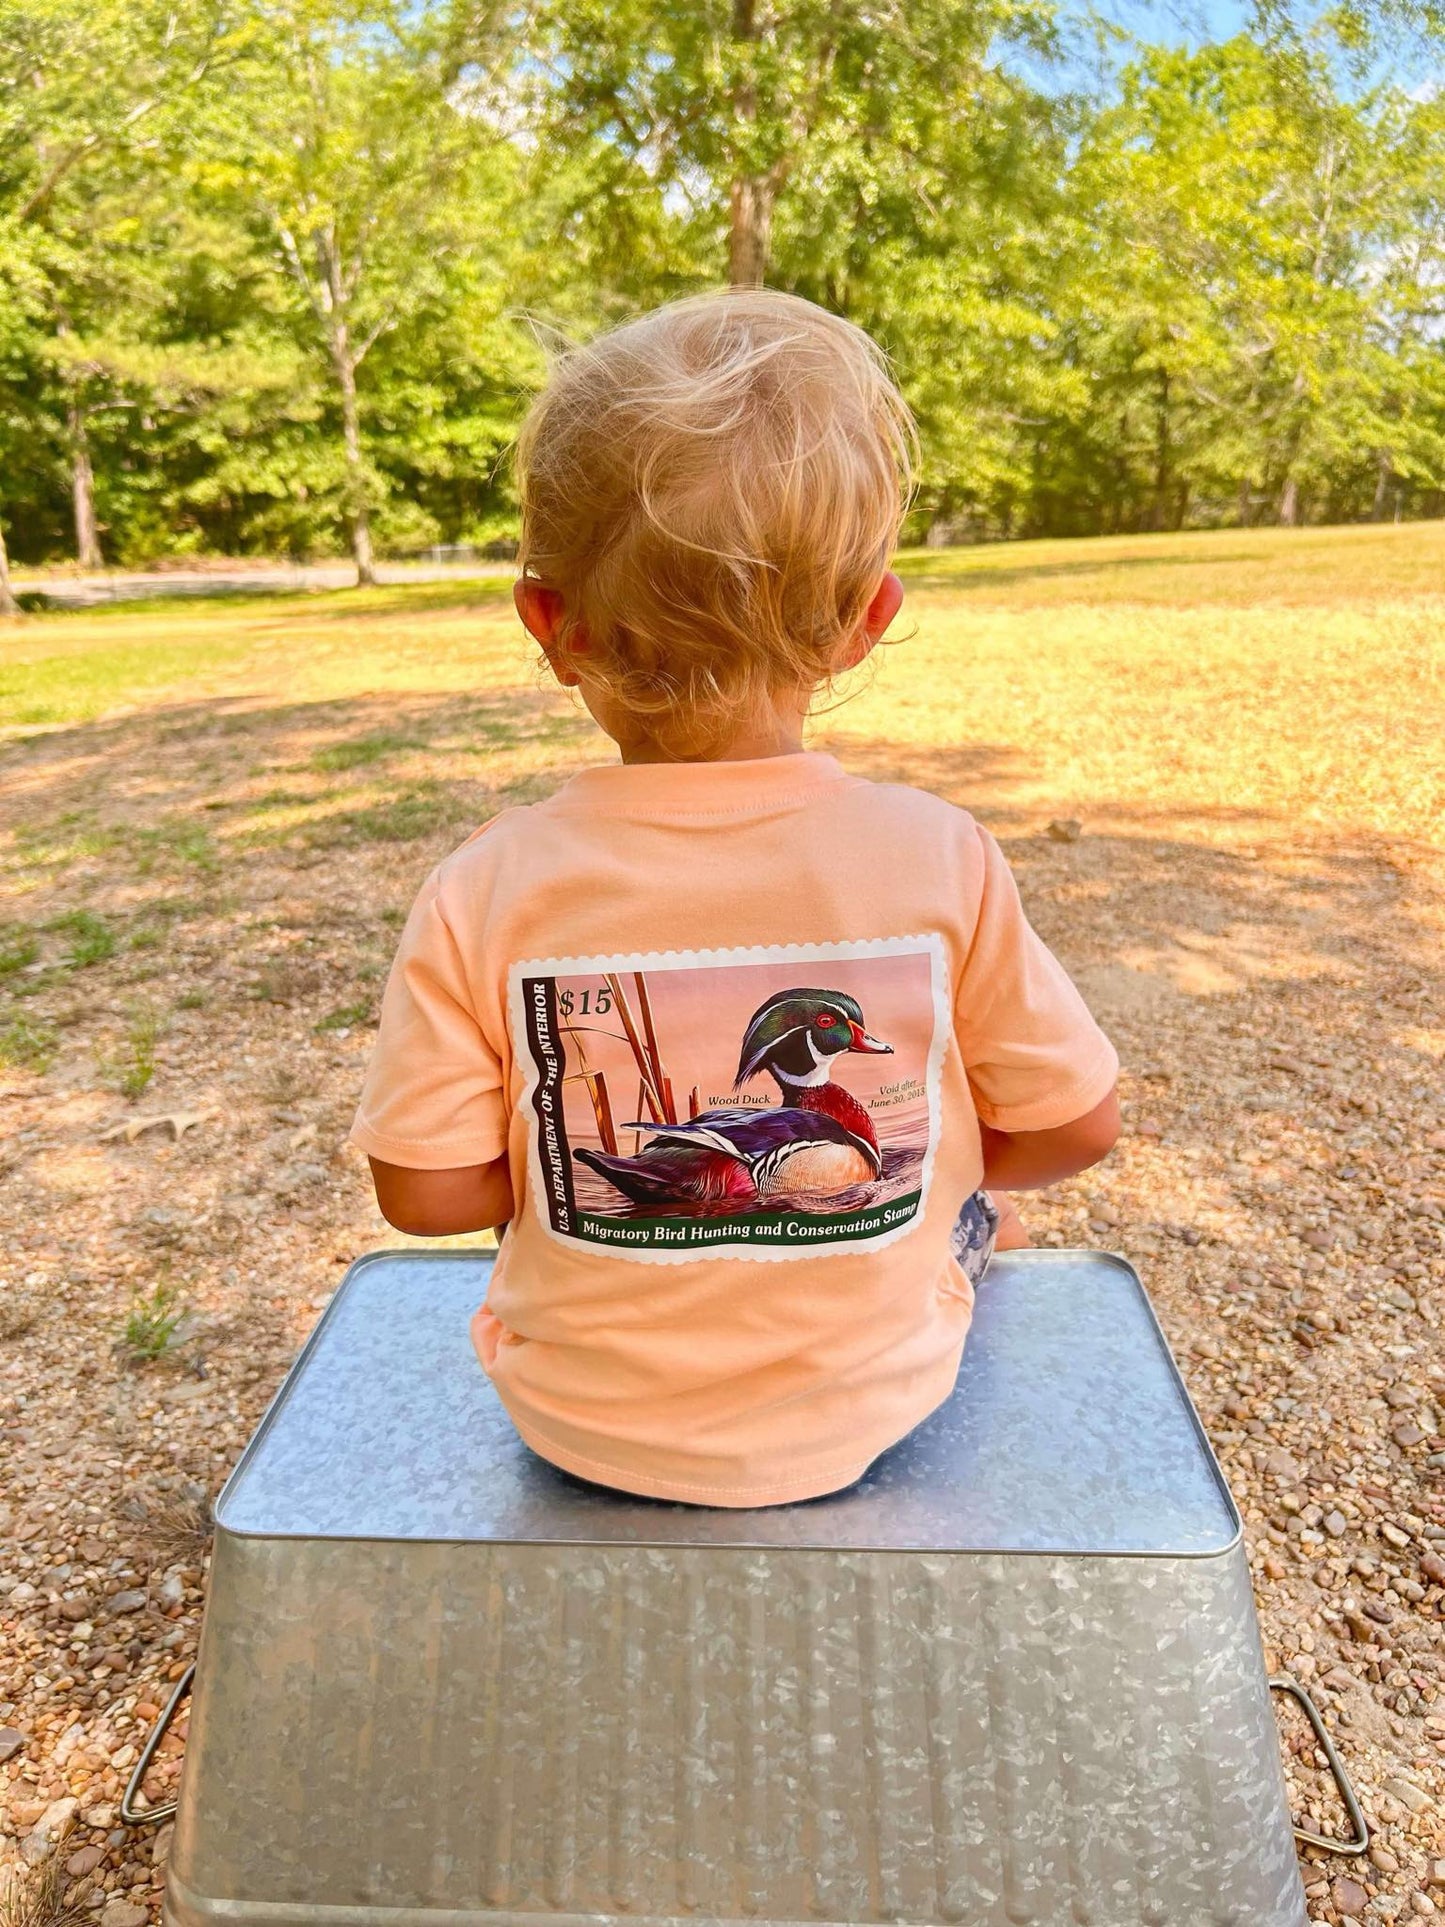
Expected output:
(715, 490)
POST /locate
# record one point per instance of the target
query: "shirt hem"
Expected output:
(436, 1154)
(1076, 1100)
(739, 1497)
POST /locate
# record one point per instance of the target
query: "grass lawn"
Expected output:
(1215, 762)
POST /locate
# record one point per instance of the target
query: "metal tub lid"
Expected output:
(1068, 1431)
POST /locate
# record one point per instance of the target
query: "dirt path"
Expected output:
(204, 897)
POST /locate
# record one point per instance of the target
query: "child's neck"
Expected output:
(777, 736)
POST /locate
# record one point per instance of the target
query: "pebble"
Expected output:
(1394, 1535)
(124, 1913)
(55, 1819)
(11, 1741)
(84, 1862)
(1408, 1794)
(127, 1602)
(1281, 1467)
(1066, 829)
(1432, 1566)
(1335, 1524)
(1349, 1897)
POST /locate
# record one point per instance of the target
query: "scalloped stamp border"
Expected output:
(576, 1019)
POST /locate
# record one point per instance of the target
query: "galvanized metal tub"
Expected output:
(1013, 1677)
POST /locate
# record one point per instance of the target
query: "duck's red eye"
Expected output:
(825, 1022)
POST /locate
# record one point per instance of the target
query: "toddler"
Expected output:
(730, 1038)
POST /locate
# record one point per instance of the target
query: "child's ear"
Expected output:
(887, 601)
(542, 611)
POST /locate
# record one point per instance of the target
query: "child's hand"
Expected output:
(1028, 1160)
(439, 1204)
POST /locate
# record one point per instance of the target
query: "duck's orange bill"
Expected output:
(862, 1041)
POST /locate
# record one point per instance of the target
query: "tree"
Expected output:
(86, 88)
(1243, 236)
(729, 107)
(361, 168)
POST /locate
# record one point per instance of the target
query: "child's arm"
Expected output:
(1028, 1160)
(433, 1119)
(440, 1204)
(1042, 1074)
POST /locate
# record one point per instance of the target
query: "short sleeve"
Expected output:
(1035, 1057)
(433, 1099)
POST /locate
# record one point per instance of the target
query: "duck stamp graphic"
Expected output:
(756, 1102)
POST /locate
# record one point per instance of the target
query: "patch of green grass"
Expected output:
(92, 939)
(18, 949)
(131, 1069)
(402, 818)
(152, 1322)
(285, 800)
(348, 1017)
(358, 752)
(192, 1000)
(52, 847)
(138, 1066)
(172, 843)
(25, 1046)
(47, 680)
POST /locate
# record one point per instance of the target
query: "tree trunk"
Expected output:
(82, 490)
(750, 232)
(1159, 514)
(1289, 503)
(8, 605)
(751, 195)
(1383, 475)
(358, 509)
(1245, 498)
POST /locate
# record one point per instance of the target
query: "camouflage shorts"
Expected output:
(974, 1235)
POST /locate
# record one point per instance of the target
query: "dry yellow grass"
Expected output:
(1261, 677)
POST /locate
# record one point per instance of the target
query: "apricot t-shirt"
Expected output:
(733, 1026)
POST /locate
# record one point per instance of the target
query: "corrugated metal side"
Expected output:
(468, 1733)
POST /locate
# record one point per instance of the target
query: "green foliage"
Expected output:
(266, 272)
(152, 1323)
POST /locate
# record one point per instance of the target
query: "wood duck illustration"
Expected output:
(820, 1139)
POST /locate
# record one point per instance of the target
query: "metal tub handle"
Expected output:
(131, 1815)
(1285, 1684)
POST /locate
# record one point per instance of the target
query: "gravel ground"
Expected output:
(1275, 990)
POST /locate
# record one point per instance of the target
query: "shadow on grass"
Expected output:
(207, 809)
(174, 789)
